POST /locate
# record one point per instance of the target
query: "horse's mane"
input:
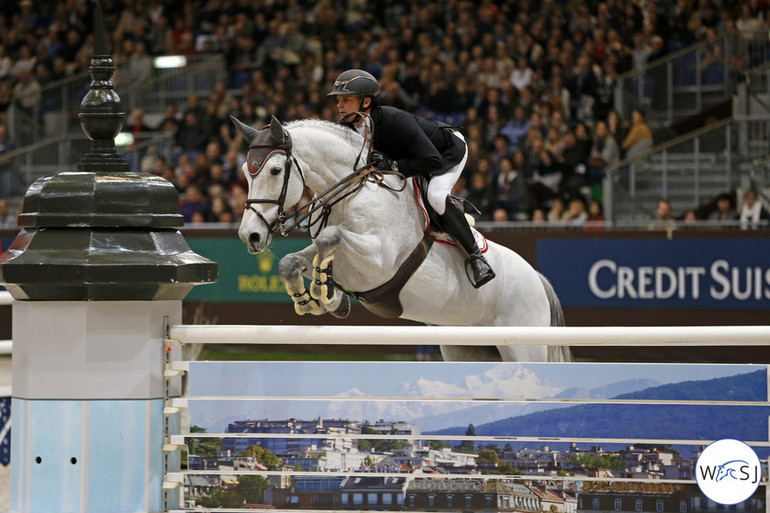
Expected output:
(352, 137)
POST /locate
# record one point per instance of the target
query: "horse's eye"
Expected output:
(275, 171)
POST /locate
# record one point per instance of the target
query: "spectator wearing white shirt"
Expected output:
(521, 76)
(752, 211)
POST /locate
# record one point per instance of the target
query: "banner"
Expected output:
(707, 273)
(244, 277)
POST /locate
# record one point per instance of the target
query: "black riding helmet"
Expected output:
(355, 81)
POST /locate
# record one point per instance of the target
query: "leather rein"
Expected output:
(288, 220)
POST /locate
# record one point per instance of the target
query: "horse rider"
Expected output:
(418, 146)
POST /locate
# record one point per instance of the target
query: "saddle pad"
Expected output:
(481, 241)
(444, 237)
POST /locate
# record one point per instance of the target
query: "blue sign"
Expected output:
(706, 273)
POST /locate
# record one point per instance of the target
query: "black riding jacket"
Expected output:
(420, 146)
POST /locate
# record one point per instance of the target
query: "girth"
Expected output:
(383, 300)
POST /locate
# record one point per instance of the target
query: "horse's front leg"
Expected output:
(292, 267)
(322, 285)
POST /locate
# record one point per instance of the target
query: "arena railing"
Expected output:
(689, 81)
(690, 171)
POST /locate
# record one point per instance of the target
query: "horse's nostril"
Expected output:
(254, 237)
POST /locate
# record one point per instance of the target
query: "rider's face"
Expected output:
(348, 103)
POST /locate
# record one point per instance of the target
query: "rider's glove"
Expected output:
(382, 163)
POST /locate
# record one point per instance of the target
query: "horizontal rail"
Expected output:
(439, 477)
(179, 439)
(5, 297)
(6, 347)
(472, 335)
(183, 402)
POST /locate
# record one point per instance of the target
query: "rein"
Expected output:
(323, 203)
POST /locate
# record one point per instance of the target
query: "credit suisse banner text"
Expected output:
(701, 273)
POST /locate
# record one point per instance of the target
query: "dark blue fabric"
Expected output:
(5, 430)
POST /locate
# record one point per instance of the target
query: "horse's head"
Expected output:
(275, 181)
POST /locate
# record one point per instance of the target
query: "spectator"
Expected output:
(193, 203)
(192, 135)
(500, 215)
(511, 188)
(546, 176)
(136, 124)
(27, 93)
(139, 64)
(479, 196)
(639, 138)
(6, 63)
(690, 217)
(220, 211)
(617, 128)
(753, 212)
(572, 162)
(576, 213)
(556, 211)
(584, 89)
(521, 76)
(660, 70)
(724, 211)
(713, 60)
(605, 88)
(604, 153)
(501, 149)
(558, 96)
(539, 216)
(641, 51)
(516, 129)
(595, 219)
(663, 219)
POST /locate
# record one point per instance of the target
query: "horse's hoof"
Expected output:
(343, 310)
(312, 307)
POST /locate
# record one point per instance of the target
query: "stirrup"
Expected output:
(480, 270)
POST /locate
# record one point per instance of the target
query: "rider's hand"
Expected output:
(382, 163)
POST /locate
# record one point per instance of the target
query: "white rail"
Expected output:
(472, 335)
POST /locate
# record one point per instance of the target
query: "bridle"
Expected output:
(280, 220)
(288, 220)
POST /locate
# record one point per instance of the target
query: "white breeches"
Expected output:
(440, 186)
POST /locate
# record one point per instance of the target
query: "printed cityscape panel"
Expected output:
(452, 436)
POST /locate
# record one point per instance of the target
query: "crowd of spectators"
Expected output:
(529, 83)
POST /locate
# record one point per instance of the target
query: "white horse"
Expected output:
(370, 228)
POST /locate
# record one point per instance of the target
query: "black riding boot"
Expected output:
(457, 226)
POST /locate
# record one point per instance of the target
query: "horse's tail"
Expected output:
(555, 353)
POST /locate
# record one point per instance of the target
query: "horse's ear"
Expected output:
(276, 130)
(248, 132)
